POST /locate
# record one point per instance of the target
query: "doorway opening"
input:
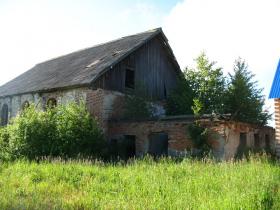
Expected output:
(123, 148)
(158, 144)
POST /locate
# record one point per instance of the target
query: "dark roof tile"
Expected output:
(75, 69)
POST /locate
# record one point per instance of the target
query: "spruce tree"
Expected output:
(244, 99)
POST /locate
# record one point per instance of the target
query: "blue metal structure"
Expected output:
(275, 89)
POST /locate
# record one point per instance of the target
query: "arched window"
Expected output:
(51, 103)
(4, 115)
(25, 105)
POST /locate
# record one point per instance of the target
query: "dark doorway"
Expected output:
(129, 146)
(242, 147)
(4, 115)
(158, 144)
(257, 143)
(123, 148)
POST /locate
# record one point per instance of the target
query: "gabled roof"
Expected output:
(79, 68)
(275, 89)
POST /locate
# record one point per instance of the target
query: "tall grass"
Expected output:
(140, 184)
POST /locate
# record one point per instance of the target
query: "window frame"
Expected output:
(51, 103)
(129, 81)
(25, 105)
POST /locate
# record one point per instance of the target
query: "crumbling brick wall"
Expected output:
(176, 130)
(103, 105)
(224, 137)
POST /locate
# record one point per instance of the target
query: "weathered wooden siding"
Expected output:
(153, 69)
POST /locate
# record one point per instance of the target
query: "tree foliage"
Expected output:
(208, 84)
(244, 99)
(199, 136)
(205, 90)
(180, 100)
(64, 131)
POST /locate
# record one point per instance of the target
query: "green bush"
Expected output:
(65, 131)
(199, 137)
(4, 144)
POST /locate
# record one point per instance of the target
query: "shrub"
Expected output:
(77, 131)
(4, 144)
(65, 131)
(199, 136)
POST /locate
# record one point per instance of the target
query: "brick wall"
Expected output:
(223, 136)
(94, 101)
(176, 130)
(103, 105)
(277, 125)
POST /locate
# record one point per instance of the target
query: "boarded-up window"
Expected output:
(158, 144)
(129, 78)
(25, 105)
(4, 115)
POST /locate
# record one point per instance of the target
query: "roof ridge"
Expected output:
(274, 90)
(61, 72)
(100, 44)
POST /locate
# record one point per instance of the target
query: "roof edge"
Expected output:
(275, 84)
(85, 85)
(157, 32)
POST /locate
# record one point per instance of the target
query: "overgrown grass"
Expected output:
(141, 184)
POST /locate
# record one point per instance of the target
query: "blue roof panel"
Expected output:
(275, 89)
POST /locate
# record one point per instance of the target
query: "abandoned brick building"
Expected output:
(102, 74)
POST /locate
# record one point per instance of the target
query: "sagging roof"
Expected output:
(79, 68)
(275, 89)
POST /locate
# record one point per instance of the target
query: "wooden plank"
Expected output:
(153, 69)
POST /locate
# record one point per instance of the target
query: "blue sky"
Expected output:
(33, 31)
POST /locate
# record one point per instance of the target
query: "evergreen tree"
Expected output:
(208, 85)
(244, 99)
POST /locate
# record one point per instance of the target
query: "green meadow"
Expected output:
(140, 184)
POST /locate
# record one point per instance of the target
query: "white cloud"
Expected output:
(227, 29)
(33, 31)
